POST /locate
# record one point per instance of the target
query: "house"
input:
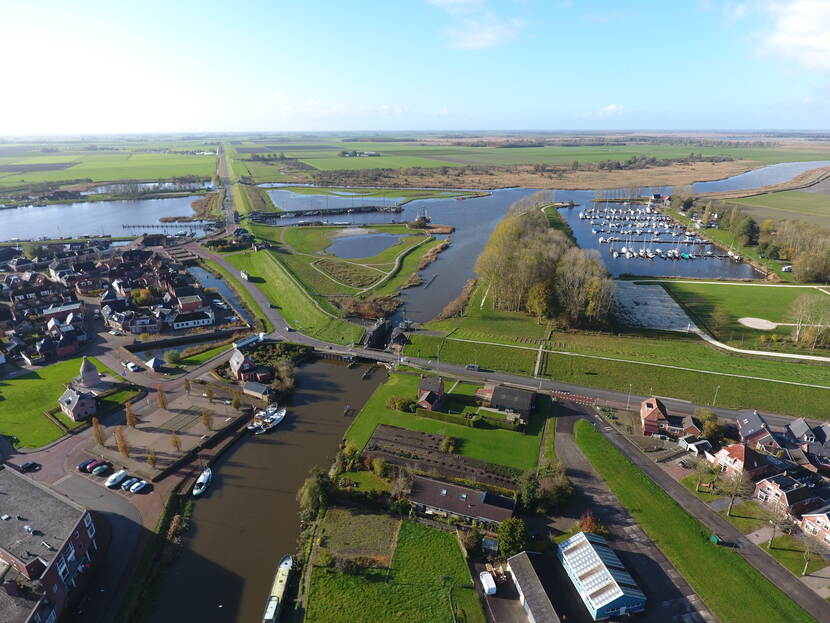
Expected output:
(694, 445)
(78, 404)
(785, 495)
(242, 367)
(800, 431)
(257, 390)
(532, 595)
(189, 303)
(740, 459)
(189, 320)
(431, 394)
(756, 433)
(606, 588)
(513, 400)
(436, 497)
(816, 524)
(653, 417)
(44, 538)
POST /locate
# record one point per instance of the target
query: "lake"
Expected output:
(772, 174)
(362, 245)
(96, 217)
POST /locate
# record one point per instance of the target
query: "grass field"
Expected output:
(24, 399)
(200, 358)
(295, 304)
(241, 291)
(789, 551)
(349, 533)
(741, 301)
(427, 579)
(717, 574)
(791, 204)
(514, 449)
(748, 516)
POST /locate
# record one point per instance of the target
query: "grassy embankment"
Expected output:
(716, 573)
(791, 204)
(427, 581)
(24, 399)
(615, 361)
(700, 300)
(514, 449)
(295, 304)
(240, 291)
(402, 195)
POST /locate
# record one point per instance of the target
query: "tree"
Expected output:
(704, 415)
(151, 458)
(129, 414)
(713, 431)
(810, 552)
(529, 490)
(32, 250)
(512, 537)
(379, 467)
(173, 357)
(703, 469)
(207, 420)
(209, 392)
(314, 494)
(737, 486)
(782, 524)
(175, 442)
(236, 401)
(98, 432)
(402, 484)
(187, 386)
(540, 300)
(161, 397)
(471, 539)
(121, 441)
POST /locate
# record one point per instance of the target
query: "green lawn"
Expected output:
(690, 482)
(427, 575)
(368, 481)
(716, 573)
(791, 204)
(24, 399)
(349, 532)
(748, 516)
(295, 304)
(789, 551)
(240, 290)
(514, 449)
(200, 358)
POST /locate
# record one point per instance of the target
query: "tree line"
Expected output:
(534, 268)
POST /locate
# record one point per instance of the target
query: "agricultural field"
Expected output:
(504, 447)
(102, 165)
(792, 204)
(427, 580)
(23, 400)
(701, 300)
(716, 573)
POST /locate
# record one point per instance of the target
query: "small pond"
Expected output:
(362, 245)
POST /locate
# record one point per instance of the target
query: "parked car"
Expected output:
(487, 583)
(473, 366)
(114, 332)
(83, 465)
(139, 486)
(29, 466)
(116, 479)
(129, 483)
(133, 367)
(102, 469)
(93, 465)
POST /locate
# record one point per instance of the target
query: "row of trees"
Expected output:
(531, 267)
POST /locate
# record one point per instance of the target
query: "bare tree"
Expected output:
(121, 441)
(175, 442)
(703, 468)
(161, 398)
(207, 420)
(98, 432)
(130, 415)
(151, 458)
(782, 524)
(810, 552)
(187, 386)
(737, 486)
(209, 392)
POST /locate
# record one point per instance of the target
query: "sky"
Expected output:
(329, 65)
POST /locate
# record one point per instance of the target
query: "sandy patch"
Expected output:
(758, 323)
(351, 231)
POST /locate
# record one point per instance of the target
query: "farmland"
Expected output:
(793, 204)
(715, 573)
(504, 447)
(427, 579)
(26, 397)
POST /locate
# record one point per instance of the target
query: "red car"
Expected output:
(96, 463)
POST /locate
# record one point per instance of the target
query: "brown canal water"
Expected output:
(248, 519)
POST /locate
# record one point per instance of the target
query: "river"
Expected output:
(248, 519)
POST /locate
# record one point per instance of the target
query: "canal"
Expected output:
(248, 520)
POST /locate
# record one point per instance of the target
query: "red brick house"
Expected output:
(816, 524)
(785, 495)
(431, 394)
(739, 459)
(653, 417)
(243, 368)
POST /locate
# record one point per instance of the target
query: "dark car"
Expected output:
(96, 463)
(84, 464)
(30, 466)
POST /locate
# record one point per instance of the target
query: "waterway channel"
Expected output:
(220, 285)
(248, 519)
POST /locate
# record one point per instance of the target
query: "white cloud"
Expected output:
(800, 32)
(612, 110)
(476, 26)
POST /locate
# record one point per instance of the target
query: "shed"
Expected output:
(600, 578)
(155, 363)
(532, 594)
(257, 390)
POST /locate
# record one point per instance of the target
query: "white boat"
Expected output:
(257, 421)
(202, 482)
(270, 421)
(273, 606)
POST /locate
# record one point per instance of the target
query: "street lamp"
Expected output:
(715, 399)
(628, 401)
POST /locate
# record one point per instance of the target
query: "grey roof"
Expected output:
(822, 433)
(154, 363)
(52, 518)
(430, 384)
(536, 599)
(15, 608)
(461, 500)
(750, 424)
(237, 359)
(513, 398)
(71, 396)
(253, 386)
(799, 428)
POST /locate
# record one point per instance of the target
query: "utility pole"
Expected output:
(628, 402)
(715, 399)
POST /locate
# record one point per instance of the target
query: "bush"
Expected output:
(173, 357)
(325, 558)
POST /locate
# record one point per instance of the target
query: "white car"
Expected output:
(133, 367)
(138, 487)
(487, 583)
(116, 479)
(113, 332)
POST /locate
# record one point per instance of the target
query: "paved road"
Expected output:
(670, 598)
(757, 557)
